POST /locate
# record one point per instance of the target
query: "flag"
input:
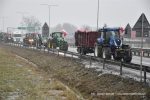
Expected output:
(133, 34)
(81, 30)
(64, 32)
(121, 31)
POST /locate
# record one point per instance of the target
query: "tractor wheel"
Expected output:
(106, 53)
(83, 51)
(49, 45)
(54, 45)
(98, 51)
(116, 56)
(64, 46)
(127, 57)
(79, 50)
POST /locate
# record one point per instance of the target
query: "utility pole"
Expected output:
(97, 15)
(49, 8)
(141, 49)
(3, 23)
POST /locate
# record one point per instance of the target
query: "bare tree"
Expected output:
(31, 23)
(86, 28)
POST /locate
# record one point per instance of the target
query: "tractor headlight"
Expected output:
(31, 40)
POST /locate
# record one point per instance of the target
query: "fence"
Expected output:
(72, 55)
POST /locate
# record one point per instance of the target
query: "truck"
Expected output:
(17, 37)
(57, 40)
(84, 41)
(110, 44)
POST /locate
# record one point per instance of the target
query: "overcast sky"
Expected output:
(77, 12)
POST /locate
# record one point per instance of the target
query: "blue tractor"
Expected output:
(109, 44)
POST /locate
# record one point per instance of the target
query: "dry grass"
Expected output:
(86, 81)
(21, 81)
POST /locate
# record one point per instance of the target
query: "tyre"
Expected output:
(54, 45)
(64, 46)
(83, 51)
(127, 57)
(116, 56)
(98, 51)
(79, 50)
(106, 53)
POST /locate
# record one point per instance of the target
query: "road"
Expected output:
(135, 59)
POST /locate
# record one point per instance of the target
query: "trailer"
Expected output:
(85, 41)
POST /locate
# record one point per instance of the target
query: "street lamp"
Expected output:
(49, 7)
(97, 15)
(3, 23)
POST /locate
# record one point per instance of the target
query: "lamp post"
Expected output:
(49, 8)
(3, 23)
(97, 15)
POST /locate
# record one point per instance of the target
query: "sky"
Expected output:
(77, 12)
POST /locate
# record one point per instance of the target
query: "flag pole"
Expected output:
(141, 49)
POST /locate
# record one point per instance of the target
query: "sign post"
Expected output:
(141, 49)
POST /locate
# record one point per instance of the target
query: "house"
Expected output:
(45, 30)
(138, 27)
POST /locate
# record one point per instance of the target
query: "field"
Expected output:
(83, 81)
(20, 80)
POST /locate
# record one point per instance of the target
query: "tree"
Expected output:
(86, 28)
(31, 23)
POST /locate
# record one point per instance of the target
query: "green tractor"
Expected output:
(57, 40)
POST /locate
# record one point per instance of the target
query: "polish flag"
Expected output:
(81, 30)
(64, 32)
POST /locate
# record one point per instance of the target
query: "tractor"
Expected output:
(110, 43)
(32, 39)
(57, 40)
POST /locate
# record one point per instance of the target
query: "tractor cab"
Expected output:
(110, 36)
(57, 34)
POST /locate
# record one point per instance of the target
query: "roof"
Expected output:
(45, 25)
(128, 27)
(138, 24)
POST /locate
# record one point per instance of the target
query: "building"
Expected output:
(138, 27)
(136, 42)
(45, 30)
(128, 30)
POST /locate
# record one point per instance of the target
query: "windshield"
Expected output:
(57, 34)
(114, 34)
(17, 35)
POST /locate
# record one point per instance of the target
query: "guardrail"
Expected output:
(137, 52)
(121, 64)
